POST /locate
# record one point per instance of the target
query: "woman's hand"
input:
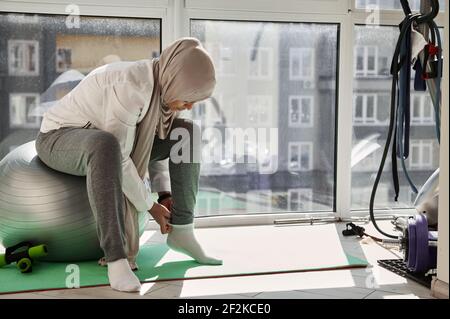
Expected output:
(162, 216)
(168, 202)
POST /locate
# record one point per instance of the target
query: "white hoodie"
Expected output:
(114, 98)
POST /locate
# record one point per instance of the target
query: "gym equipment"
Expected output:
(41, 205)
(23, 254)
(418, 237)
(427, 200)
(419, 245)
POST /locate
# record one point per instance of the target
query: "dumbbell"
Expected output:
(23, 254)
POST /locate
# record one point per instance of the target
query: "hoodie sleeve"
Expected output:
(122, 109)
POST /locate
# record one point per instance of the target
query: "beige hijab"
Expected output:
(185, 72)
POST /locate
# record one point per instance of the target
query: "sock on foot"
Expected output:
(133, 265)
(121, 277)
(182, 239)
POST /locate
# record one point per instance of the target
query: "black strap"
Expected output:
(163, 197)
(394, 166)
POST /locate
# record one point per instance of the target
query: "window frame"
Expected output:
(300, 145)
(23, 95)
(421, 120)
(20, 72)
(421, 144)
(301, 77)
(364, 118)
(259, 63)
(365, 72)
(310, 123)
(57, 67)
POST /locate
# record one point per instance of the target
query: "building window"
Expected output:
(259, 109)
(366, 60)
(300, 156)
(63, 59)
(365, 109)
(301, 63)
(300, 199)
(421, 154)
(301, 111)
(23, 57)
(260, 64)
(21, 110)
(422, 109)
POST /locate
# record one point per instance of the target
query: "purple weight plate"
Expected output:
(411, 263)
(422, 249)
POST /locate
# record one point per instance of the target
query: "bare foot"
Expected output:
(162, 216)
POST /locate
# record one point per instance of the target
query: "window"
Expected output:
(301, 111)
(260, 64)
(370, 123)
(301, 63)
(22, 108)
(421, 154)
(41, 59)
(365, 110)
(259, 110)
(300, 156)
(250, 102)
(63, 59)
(366, 59)
(23, 56)
(422, 109)
(300, 199)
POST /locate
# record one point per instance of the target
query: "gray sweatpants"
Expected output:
(96, 154)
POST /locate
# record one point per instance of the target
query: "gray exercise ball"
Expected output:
(44, 206)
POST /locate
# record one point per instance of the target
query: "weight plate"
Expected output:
(422, 250)
(411, 263)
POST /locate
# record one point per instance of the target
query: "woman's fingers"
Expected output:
(167, 214)
(165, 228)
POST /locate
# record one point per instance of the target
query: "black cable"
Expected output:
(405, 25)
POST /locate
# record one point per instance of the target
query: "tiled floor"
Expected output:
(372, 282)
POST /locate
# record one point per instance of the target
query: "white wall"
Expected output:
(442, 272)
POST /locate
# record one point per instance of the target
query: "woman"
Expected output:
(114, 127)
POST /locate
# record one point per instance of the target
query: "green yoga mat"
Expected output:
(244, 250)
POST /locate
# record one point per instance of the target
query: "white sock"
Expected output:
(182, 239)
(133, 265)
(121, 277)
